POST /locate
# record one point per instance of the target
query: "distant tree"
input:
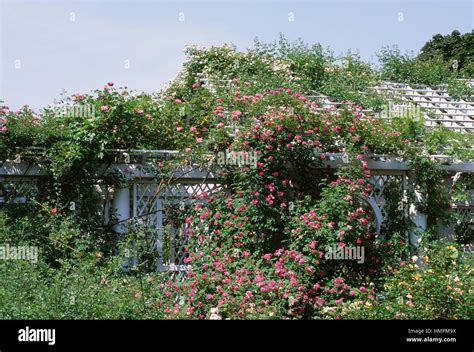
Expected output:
(454, 49)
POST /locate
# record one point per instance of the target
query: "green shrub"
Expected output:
(440, 288)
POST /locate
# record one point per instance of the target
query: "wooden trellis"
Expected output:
(146, 202)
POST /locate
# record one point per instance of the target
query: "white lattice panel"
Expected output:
(150, 208)
(464, 228)
(378, 192)
(17, 191)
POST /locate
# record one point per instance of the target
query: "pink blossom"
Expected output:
(110, 84)
(104, 108)
(179, 129)
(236, 114)
(178, 101)
(219, 125)
(199, 140)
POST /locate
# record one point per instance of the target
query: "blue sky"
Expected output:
(76, 46)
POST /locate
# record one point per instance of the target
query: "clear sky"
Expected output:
(52, 46)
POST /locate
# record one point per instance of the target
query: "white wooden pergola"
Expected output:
(145, 201)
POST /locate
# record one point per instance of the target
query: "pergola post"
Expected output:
(446, 230)
(420, 220)
(121, 211)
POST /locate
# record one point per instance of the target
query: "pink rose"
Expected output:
(236, 114)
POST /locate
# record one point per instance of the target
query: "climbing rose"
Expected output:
(236, 114)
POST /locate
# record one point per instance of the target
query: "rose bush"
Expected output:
(257, 248)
